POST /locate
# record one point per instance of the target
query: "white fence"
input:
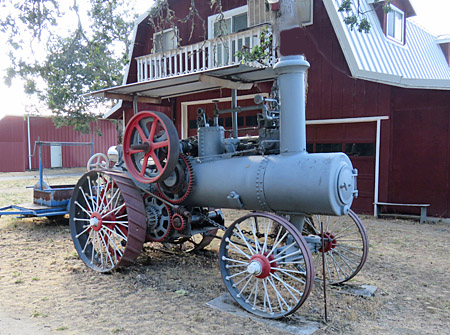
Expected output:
(209, 54)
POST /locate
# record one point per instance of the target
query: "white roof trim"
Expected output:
(373, 57)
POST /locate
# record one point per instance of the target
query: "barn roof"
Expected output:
(420, 63)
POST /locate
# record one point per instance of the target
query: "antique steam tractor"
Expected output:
(163, 189)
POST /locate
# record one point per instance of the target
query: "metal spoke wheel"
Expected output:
(107, 220)
(346, 245)
(268, 274)
(98, 161)
(151, 147)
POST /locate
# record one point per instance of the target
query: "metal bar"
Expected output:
(234, 117)
(92, 147)
(40, 166)
(377, 168)
(241, 109)
(29, 142)
(135, 105)
(73, 144)
(323, 272)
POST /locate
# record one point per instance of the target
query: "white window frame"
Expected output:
(393, 38)
(226, 15)
(175, 30)
(311, 21)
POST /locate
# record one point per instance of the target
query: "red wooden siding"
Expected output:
(339, 138)
(420, 160)
(415, 141)
(14, 142)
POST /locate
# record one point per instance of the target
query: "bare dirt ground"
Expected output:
(46, 289)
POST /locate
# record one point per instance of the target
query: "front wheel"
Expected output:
(268, 274)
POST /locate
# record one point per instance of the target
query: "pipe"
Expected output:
(291, 79)
(234, 114)
(41, 177)
(29, 142)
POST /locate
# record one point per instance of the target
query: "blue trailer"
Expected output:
(50, 201)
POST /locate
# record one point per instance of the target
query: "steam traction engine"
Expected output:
(163, 189)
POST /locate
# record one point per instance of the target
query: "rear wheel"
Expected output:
(346, 245)
(107, 220)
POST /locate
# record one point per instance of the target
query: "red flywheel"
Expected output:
(151, 147)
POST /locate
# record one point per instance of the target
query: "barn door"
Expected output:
(56, 156)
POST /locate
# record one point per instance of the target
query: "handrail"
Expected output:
(198, 57)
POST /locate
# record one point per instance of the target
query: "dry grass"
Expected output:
(44, 281)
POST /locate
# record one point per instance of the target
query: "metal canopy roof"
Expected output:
(237, 76)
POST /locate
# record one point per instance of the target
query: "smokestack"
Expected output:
(291, 80)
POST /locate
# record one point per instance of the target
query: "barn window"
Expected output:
(395, 25)
(328, 147)
(360, 149)
(232, 21)
(165, 40)
(258, 12)
(251, 120)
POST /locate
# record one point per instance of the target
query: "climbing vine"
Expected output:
(261, 53)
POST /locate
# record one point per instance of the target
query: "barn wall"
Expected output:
(44, 129)
(192, 31)
(12, 144)
(420, 164)
(415, 141)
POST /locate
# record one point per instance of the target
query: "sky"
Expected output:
(431, 15)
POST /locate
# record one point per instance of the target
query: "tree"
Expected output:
(61, 66)
(356, 17)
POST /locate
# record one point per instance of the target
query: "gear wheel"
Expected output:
(178, 222)
(159, 220)
(177, 187)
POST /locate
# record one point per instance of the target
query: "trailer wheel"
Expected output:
(269, 275)
(107, 220)
(346, 245)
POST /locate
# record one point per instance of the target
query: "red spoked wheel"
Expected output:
(151, 147)
(346, 246)
(107, 220)
(267, 274)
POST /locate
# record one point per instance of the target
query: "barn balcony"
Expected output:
(211, 54)
(209, 65)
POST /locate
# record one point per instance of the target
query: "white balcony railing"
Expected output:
(209, 54)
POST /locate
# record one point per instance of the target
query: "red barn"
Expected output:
(382, 97)
(19, 134)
